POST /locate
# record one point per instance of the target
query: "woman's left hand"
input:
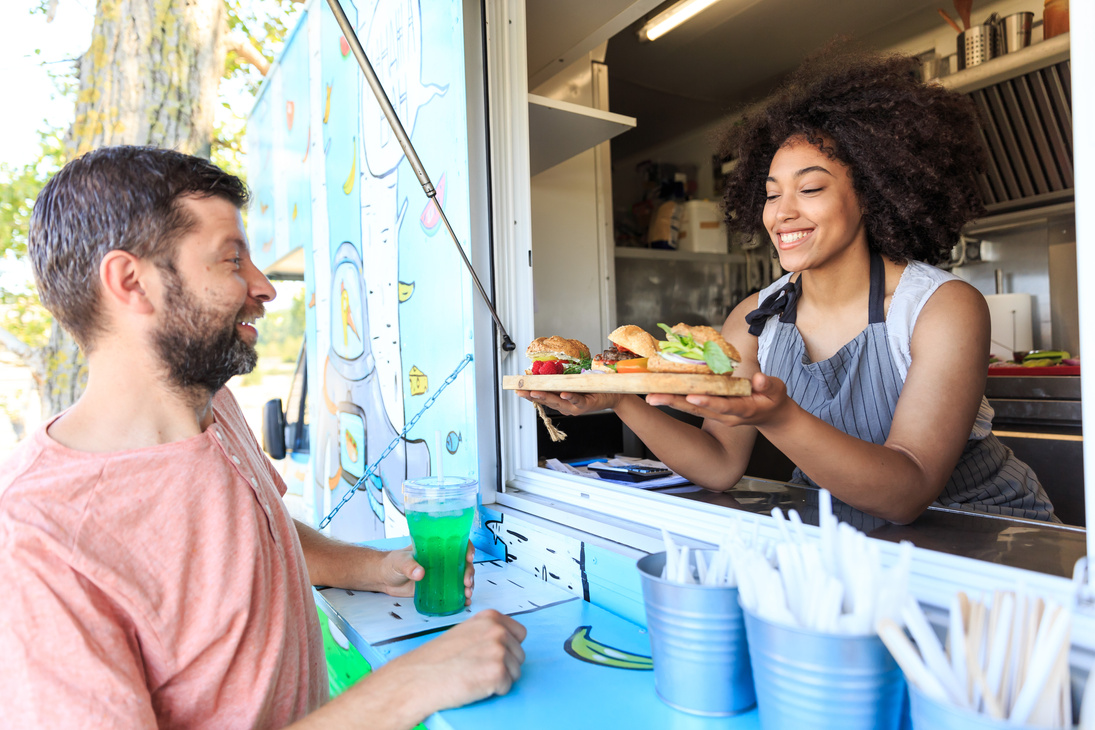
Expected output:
(767, 405)
(400, 571)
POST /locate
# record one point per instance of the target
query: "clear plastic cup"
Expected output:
(440, 512)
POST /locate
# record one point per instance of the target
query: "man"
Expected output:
(154, 577)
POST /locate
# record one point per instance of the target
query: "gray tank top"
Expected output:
(856, 390)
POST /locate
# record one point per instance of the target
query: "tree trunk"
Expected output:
(150, 77)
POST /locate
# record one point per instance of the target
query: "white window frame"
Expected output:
(628, 516)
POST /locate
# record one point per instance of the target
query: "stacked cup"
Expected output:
(697, 637)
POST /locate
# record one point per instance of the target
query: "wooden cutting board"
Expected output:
(640, 383)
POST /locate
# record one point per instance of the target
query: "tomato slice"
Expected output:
(635, 365)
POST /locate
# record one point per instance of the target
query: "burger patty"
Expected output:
(614, 355)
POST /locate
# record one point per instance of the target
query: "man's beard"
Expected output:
(199, 350)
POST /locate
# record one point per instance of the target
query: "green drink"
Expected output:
(439, 514)
(440, 546)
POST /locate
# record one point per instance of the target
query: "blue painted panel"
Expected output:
(482, 536)
(614, 583)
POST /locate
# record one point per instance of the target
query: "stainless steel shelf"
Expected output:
(1009, 66)
(996, 223)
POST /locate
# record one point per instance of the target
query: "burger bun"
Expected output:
(658, 364)
(560, 348)
(702, 333)
(635, 339)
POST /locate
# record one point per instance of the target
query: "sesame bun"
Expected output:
(557, 347)
(635, 339)
(703, 333)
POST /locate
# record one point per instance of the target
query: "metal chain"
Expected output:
(395, 442)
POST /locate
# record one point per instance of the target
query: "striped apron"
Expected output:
(856, 390)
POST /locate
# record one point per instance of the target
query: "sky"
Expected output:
(31, 93)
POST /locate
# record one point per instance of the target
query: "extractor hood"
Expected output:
(1024, 100)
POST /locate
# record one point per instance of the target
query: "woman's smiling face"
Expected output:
(812, 212)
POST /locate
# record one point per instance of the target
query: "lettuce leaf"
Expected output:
(716, 359)
(686, 346)
(682, 345)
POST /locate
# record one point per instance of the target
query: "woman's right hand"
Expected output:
(572, 404)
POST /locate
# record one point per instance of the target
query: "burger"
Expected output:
(629, 343)
(697, 350)
(557, 356)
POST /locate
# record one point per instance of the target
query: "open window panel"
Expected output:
(531, 266)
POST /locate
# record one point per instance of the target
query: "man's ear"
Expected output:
(124, 280)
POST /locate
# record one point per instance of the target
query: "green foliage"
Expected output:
(22, 314)
(265, 24)
(19, 187)
(281, 335)
(282, 331)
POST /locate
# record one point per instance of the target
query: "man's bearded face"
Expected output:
(200, 346)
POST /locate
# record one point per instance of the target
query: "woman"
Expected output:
(868, 365)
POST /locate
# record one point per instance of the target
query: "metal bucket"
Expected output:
(697, 641)
(807, 679)
(1015, 31)
(977, 45)
(930, 714)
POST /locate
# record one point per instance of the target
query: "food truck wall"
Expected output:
(391, 314)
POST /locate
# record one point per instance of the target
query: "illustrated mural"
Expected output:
(389, 305)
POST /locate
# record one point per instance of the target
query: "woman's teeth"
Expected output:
(792, 237)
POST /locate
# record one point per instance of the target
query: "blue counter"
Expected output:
(558, 688)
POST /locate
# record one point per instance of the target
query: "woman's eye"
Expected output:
(809, 191)
(769, 197)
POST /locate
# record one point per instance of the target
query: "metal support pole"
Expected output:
(412, 156)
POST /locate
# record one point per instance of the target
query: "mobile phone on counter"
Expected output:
(631, 472)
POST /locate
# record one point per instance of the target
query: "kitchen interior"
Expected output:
(620, 126)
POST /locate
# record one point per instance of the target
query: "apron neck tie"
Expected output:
(781, 302)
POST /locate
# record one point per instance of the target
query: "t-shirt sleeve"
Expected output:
(70, 657)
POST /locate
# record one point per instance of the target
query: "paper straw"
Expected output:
(932, 651)
(440, 468)
(909, 660)
(958, 646)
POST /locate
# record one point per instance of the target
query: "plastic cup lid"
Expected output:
(440, 485)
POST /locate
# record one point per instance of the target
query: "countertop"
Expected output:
(1028, 544)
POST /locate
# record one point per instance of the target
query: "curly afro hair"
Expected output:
(913, 149)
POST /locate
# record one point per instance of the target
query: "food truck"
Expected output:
(507, 104)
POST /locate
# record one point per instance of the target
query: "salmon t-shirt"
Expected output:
(159, 587)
